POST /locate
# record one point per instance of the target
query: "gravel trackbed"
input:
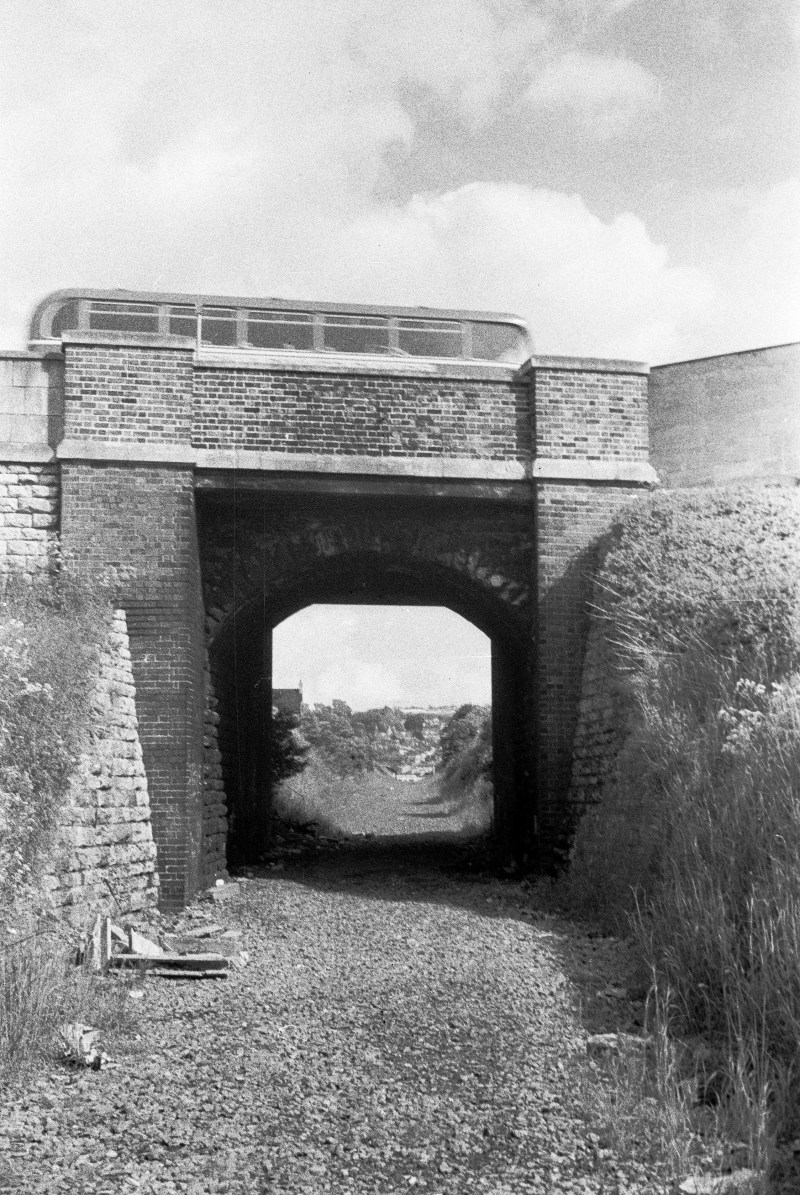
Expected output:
(398, 1027)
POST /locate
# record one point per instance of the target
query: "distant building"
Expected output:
(734, 418)
(288, 701)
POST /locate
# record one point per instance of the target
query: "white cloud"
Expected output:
(194, 152)
(760, 278)
(586, 286)
(608, 94)
(370, 656)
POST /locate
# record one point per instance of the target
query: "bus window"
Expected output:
(219, 325)
(427, 338)
(498, 342)
(65, 317)
(182, 321)
(280, 330)
(123, 317)
(356, 334)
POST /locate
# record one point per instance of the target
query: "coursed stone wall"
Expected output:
(29, 501)
(213, 861)
(106, 856)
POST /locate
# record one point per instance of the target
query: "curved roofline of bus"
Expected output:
(272, 303)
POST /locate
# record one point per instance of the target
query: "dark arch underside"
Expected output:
(242, 670)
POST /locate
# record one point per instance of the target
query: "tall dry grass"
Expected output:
(41, 988)
(699, 609)
(375, 802)
(720, 922)
(49, 634)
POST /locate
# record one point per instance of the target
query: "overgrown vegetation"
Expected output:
(48, 642)
(350, 783)
(350, 743)
(465, 776)
(699, 608)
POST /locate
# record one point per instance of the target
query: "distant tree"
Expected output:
(341, 743)
(288, 750)
(466, 725)
(415, 724)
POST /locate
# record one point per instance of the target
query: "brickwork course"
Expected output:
(224, 492)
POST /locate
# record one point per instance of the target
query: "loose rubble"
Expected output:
(397, 1028)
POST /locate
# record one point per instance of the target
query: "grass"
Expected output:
(701, 626)
(49, 631)
(41, 988)
(374, 802)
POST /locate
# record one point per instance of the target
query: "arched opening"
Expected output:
(392, 706)
(242, 667)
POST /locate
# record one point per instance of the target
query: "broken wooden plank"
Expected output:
(176, 973)
(140, 945)
(210, 962)
(105, 943)
(202, 931)
(94, 950)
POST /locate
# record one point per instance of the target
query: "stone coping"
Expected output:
(26, 454)
(540, 469)
(545, 469)
(582, 365)
(357, 364)
(354, 365)
(34, 354)
(128, 340)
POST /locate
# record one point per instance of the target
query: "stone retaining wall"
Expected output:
(613, 822)
(29, 499)
(215, 810)
(107, 858)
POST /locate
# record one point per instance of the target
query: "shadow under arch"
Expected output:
(241, 664)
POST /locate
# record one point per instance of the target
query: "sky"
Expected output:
(623, 173)
(395, 655)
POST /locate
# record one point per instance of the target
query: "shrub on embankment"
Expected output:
(696, 633)
(49, 639)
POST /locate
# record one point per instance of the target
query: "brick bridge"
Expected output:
(229, 488)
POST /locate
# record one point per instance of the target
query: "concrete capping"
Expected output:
(26, 454)
(179, 453)
(358, 364)
(36, 354)
(379, 466)
(582, 470)
(583, 365)
(128, 340)
(292, 462)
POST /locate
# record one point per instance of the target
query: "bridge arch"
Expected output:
(241, 665)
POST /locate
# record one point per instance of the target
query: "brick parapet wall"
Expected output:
(106, 856)
(29, 507)
(597, 416)
(128, 394)
(139, 524)
(368, 416)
